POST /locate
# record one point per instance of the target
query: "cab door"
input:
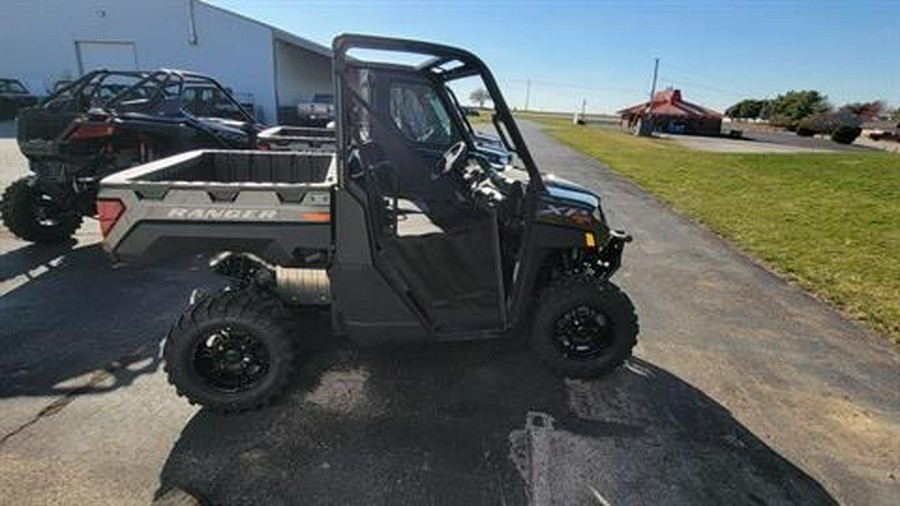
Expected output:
(430, 244)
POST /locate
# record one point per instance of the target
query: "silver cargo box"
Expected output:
(273, 204)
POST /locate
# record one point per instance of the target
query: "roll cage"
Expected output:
(442, 65)
(152, 91)
(84, 92)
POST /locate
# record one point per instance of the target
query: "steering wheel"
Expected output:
(450, 160)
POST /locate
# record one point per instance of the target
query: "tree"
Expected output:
(895, 116)
(787, 110)
(479, 96)
(845, 134)
(866, 110)
(746, 109)
(828, 122)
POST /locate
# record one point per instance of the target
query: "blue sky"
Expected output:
(717, 52)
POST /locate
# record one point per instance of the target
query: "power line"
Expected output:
(694, 77)
(557, 84)
(705, 87)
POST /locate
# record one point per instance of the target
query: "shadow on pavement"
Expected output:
(30, 257)
(435, 426)
(78, 325)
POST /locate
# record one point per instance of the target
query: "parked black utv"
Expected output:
(14, 96)
(102, 123)
(413, 230)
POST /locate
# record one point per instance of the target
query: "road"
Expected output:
(786, 138)
(744, 390)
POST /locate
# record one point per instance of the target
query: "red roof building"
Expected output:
(670, 113)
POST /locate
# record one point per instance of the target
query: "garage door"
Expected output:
(106, 55)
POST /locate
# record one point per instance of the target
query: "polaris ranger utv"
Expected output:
(107, 121)
(410, 231)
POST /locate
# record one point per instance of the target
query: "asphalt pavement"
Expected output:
(744, 390)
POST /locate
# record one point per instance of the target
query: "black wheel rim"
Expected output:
(231, 360)
(583, 333)
(46, 210)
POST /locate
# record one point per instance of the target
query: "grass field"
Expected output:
(483, 118)
(830, 222)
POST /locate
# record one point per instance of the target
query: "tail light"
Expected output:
(109, 211)
(86, 131)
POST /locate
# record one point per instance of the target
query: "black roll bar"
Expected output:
(440, 55)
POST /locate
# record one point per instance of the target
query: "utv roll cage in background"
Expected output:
(88, 88)
(152, 91)
(445, 64)
(170, 85)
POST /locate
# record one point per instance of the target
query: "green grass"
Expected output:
(829, 221)
(483, 118)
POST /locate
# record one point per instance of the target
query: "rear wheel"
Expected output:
(231, 351)
(35, 216)
(584, 327)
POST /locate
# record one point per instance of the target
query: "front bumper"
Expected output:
(611, 254)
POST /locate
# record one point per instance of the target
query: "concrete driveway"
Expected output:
(747, 145)
(763, 142)
(744, 391)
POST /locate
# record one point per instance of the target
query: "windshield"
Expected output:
(477, 118)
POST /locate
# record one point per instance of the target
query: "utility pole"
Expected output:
(527, 92)
(579, 119)
(655, 74)
(645, 128)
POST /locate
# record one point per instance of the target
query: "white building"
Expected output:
(43, 41)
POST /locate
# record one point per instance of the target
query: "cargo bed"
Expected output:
(270, 203)
(291, 138)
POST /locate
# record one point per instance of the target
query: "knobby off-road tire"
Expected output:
(21, 205)
(246, 332)
(583, 327)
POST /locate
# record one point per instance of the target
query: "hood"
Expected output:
(564, 189)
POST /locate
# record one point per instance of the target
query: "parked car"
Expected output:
(14, 96)
(885, 136)
(882, 130)
(107, 121)
(317, 112)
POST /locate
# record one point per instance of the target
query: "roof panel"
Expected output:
(670, 103)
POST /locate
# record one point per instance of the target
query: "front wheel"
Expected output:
(35, 216)
(584, 327)
(231, 351)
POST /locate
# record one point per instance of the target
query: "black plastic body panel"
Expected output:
(149, 242)
(366, 307)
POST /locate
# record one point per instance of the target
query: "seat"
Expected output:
(413, 221)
